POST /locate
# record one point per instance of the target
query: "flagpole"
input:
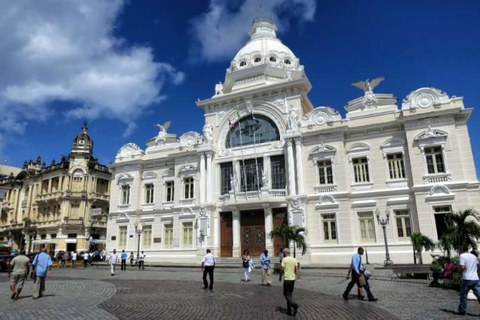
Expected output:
(243, 156)
(255, 152)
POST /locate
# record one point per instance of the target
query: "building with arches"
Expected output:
(61, 206)
(266, 156)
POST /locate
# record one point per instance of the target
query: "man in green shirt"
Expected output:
(20, 266)
(290, 269)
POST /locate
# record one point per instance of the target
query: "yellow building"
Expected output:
(62, 206)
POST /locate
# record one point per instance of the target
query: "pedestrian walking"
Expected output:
(18, 272)
(85, 259)
(124, 261)
(65, 258)
(132, 258)
(246, 265)
(291, 272)
(74, 258)
(280, 257)
(266, 270)
(41, 263)
(358, 276)
(103, 255)
(59, 259)
(141, 261)
(113, 261)
(468, 265)
(208, 265)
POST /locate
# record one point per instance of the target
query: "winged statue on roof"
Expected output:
(367, 85)
(162, 131)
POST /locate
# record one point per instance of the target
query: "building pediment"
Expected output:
(129, 151)
(431, 133)
(320, 116)
(425, 98)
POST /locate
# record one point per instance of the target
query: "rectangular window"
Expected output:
(147, 236)
(122, 236)
(125, 194)
(434, 158)
(168, 235)
(396, 167)
(169, 191)
(187, 234)
(367, 229)
(360, 170)
(251, 174)
(440, 214)
(325, 171)
(149, 189)
(226, 174)
(188, 188)
(277, 164)
(404, 227)
(329, 228)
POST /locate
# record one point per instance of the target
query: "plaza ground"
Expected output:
(176, 293)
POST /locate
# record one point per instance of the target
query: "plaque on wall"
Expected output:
(157, 240)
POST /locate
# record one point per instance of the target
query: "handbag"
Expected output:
(33, 275)
(361, 280)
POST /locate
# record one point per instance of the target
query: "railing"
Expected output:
(101, 196)
(325, 189)
(73, 221)
(278, 193)
(437, 178)
(187, 201)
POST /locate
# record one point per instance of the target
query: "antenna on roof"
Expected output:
(260, 7)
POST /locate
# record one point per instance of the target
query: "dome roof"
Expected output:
(83, 143)
(264, 47)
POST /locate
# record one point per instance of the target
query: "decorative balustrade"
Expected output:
(440, 178)
(326, 189)
(73, 221)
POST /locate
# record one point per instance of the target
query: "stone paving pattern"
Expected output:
(176, 293)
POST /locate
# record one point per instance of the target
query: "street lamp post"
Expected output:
(384, 222)
(138, 230)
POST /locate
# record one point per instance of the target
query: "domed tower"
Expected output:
(264, 60)
(83, 143)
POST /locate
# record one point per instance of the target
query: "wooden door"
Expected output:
(226, 234)
(252, 232)
(279, 218)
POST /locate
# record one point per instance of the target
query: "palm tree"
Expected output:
(462, 228)
(294, 234)
(420, 242)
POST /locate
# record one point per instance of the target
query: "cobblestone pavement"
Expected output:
(169, 293)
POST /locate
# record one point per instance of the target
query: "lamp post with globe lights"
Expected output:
(384, 222)
(139, 231)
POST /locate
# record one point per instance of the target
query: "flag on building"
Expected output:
(238, 114)
(253, 116)
(230, 123)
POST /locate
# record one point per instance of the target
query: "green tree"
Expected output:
(420, 242)
(291, 234)
(462, 228)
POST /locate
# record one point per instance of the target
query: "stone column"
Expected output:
(49, 186)
(268, 169)
(268, 227)
(216, 230)
(291, 169)
(202, 177)
(236, 232)
(209, 177)
(298, 153)
(238, 173)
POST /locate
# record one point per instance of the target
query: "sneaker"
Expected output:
(205, 288)
(289, 313)
(211, 288)
(13, 295)
(345, 297)
(373, 299)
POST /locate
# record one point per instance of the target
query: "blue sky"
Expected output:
(126, 65)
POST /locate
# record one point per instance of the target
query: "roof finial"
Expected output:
(84, 127)
(260, 7)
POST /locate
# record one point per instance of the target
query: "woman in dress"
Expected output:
(246, 264)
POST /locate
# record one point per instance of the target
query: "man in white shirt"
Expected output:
(141, 261)
(208, 264)
(113, 261)
(74, 258)
(468, 266)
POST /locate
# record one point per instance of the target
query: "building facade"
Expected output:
(62, 206)
(266, 156)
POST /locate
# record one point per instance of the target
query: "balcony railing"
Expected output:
(73, 221)
(260, 195)
(325, 189)
(438, 178)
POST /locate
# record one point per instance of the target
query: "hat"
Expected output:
(286, 251)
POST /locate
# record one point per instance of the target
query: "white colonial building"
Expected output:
(267, 156)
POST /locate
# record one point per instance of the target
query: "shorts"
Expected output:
(18, 280)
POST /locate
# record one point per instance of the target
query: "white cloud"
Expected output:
(223, 29)
(65, 50)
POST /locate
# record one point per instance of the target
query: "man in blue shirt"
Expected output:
(357, 271)
(266, 271)
(41, 263)
(124, 260)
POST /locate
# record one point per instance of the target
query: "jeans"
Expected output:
(140, 264)
(246, 272)
(209, 270)
(123, 265)
(466, 286)
(288, 286)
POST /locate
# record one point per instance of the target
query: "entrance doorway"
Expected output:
(252, 231)
(226, 234)
(71, 247)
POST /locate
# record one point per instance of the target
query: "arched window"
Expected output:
(252, 129)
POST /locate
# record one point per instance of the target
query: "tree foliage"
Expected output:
(420, 242)
(291, 234)
(462, 228)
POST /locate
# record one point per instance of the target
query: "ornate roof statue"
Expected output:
(162, 131)
(367, 85)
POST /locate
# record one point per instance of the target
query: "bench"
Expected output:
(412, 269)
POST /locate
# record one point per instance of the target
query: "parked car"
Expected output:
(5, 262)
